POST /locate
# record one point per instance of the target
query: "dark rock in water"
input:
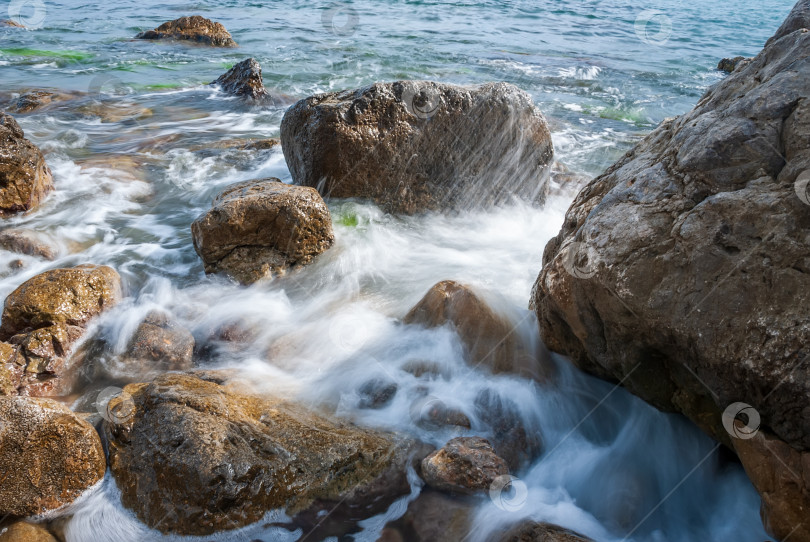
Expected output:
(490, 339)
(414, 146)
(22, 531)
(43, 318)
(511, 440)
(430, 517)
(259, 228)
(38, 99)
(159, 344)
(197, 455)
(26, 242)
(195, 28)
(531, 531)
(25, 178)
(48, 456)
(684, 270)
(465, 465)
(730, 64)
(376, 393)
(432, 414)
(244, 79)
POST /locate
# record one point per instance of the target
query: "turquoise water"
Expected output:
(134, 163)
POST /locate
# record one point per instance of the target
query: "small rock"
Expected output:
(432, 516)
(531, 531)
(195, 28)
(27, 242)
(22, 531)
(8, 22)
(244, 79)
(159, 344)
(464, 465)
(48, 456)
(728, 65)
(259, 228)
(376, 393)
(25, 178)
(37, 99)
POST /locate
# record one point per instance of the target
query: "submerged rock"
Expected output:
(244, 79)
(511, 439)
(9, 22)
(490, 339)
(414, 146)
(159, 344)
(27, 242)
(37, 99)
(25, 178)
(43, 318)
(259, 228)
(464, 465)
(195, 28)
(48, 456)
(430, 517)
(684, 270)
(196, 456)
(532, 531)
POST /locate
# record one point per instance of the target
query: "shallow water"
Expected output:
(133, 164)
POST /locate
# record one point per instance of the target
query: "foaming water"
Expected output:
(137, 155)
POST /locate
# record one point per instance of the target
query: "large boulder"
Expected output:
(259, 228)
(414, 146)
(25, 178)
(683, 271)
(195, 455)
(195, 28)
(41, 321)
(244, 80)
(465, 465)
(490, 339)
(48, 456)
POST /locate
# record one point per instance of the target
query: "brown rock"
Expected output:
(38, 99)
(531, 531)
(490, 339)
(781, 475)
(8, 22)
(728, 65)
(430, 517)
(195, 28)
(198, 456)
(380, 142)
(511, 439)
(464, 465)
(27, 242)
(257, 228)
(244, 79)
(22, 531)
(159, 344)
(48, 456)
(25, 178)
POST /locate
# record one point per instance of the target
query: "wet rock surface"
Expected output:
(48, 456)
(197, 455)
(195, 28)
(27, 242)
(414, 146)
(25, 178)
(465, 465)
(260, 228)
(159, 344)
(531, 531)
(432, 516)
(22, 531)
(244, 79)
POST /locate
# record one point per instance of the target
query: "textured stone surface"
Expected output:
(197, 456)
(195, 28)
(433, 516)
(48, 456)
(27, 242)
(257, 228)
(22, 531)
(244, 79)
(414, 146)
(531, 531)
(464, 465)
(730, 64)
(25, 178)
(159, 344)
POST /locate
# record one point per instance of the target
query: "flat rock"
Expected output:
(25, 178)
(48, 456)
(415, 146)
(195, 28)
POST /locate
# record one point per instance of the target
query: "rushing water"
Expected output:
(134, 163)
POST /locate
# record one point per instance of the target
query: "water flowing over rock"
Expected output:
(244, 79)
(159, 344)
(465, 465)
(430, 517)
(531, 531)
(414, 146)
(195, 28)
(25, 178)
(194, 455)
(38, 99)
(27, 242)
(42, 319)
(684, 270)
(258, 228)
(14, 24)
(48, 456)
